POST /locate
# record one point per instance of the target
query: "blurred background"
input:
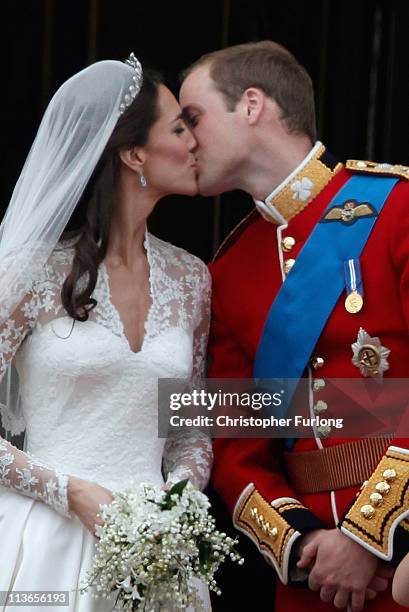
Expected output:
(356, 51)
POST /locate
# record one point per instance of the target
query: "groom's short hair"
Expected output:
(271, 68)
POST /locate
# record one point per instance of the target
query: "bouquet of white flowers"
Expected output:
(153, 543)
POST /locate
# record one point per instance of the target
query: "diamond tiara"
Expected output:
(135, 88)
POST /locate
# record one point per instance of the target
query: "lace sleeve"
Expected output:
(18, 470)
(188, 454)
(13, 330)
(28, 476)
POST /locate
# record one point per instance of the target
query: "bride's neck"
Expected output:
(128, 225)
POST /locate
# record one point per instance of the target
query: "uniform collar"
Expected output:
(300, 187)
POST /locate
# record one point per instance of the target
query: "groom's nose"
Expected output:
(192, 142)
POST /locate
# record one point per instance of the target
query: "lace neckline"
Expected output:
(113, 313)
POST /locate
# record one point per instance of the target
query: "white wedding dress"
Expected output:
(89, 406)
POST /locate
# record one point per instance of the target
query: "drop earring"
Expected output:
(142, 180)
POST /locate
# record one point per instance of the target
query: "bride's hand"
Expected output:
(85, 499)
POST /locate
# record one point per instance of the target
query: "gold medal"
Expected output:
(353, 302)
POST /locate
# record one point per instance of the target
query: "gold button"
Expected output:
(324, 431)
(383, 488)
(273, 533)
(319, 384)
(317, 362)
(320, 406)
(376, 499)
(389, 475)
(288, 243)
(368, 511)
(288, 264)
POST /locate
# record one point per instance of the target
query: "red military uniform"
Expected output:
(250, 474)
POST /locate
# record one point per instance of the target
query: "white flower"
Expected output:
(5, 345)
(30, 309)
(302, 189)
(5, 460)
(27, 480)
(152, 544)
(48, 302)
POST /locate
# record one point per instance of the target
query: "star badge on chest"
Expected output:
(369, 355)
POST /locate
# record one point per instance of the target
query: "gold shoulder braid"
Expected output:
(369, 167)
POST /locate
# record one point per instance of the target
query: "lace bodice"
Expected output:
(89, 403)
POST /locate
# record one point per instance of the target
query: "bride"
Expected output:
(93, 310)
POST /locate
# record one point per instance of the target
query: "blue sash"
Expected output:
(315, 283)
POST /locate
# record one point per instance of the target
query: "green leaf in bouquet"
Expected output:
(177, 489)
(205, 553)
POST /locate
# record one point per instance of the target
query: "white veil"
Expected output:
(72, 135)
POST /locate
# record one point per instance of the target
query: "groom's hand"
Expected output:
(341, 570)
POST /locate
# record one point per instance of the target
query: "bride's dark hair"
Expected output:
(90, 222)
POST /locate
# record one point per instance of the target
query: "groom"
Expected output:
(315, 281)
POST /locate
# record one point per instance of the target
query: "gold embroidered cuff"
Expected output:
(381, 505)
(266, 527)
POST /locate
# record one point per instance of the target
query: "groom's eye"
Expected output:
(192, 120)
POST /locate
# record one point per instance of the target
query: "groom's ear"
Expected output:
(253, 102)
(133, 158)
